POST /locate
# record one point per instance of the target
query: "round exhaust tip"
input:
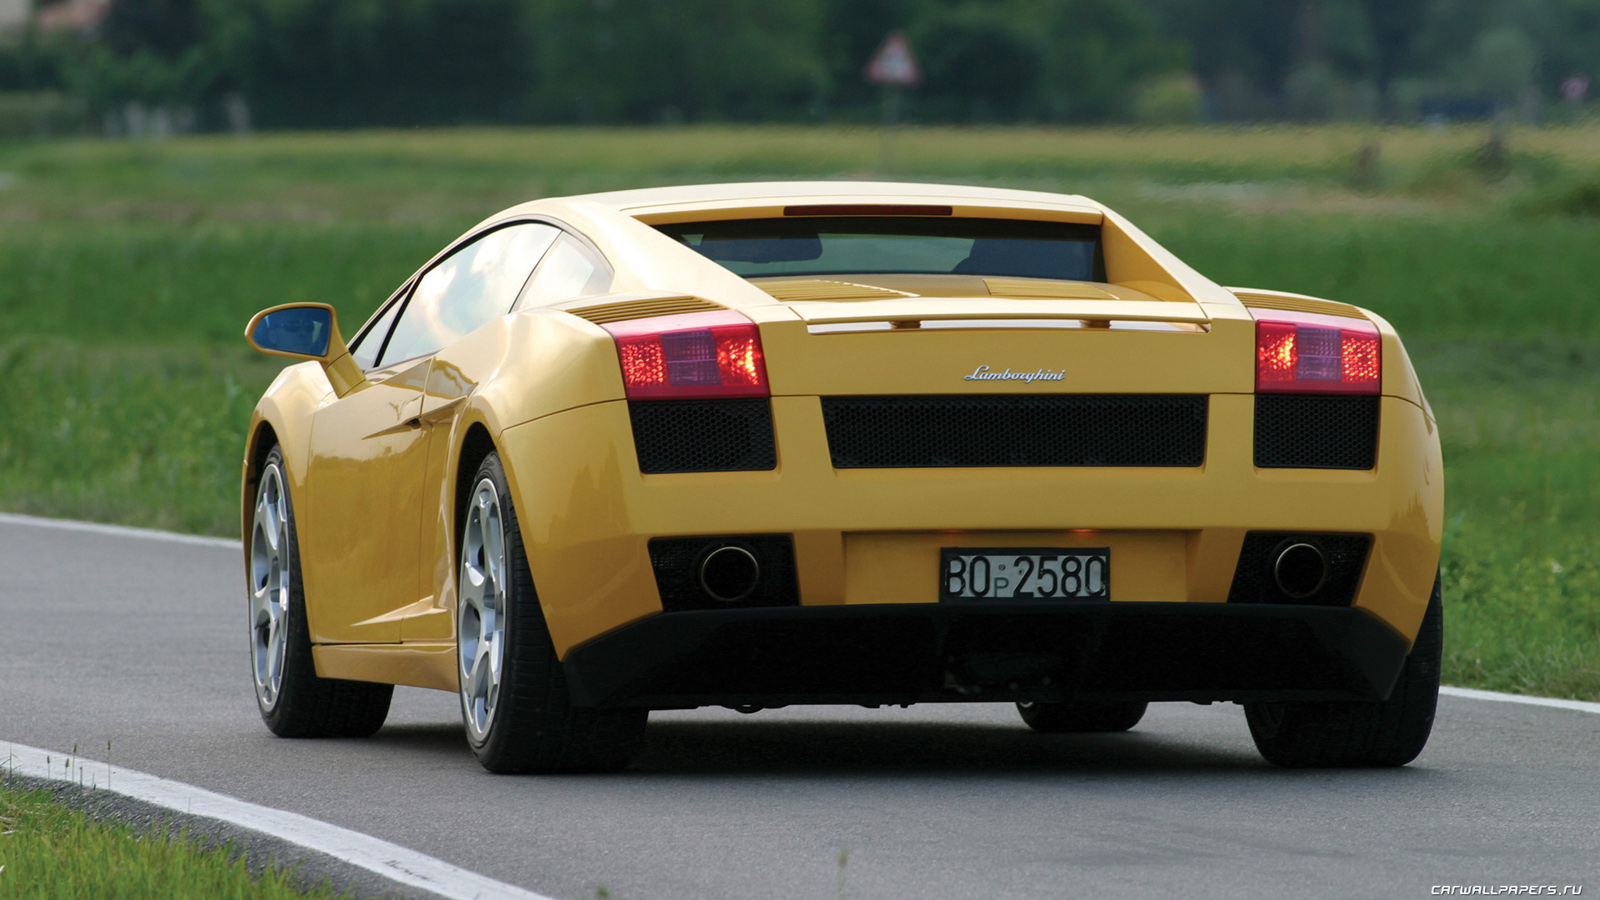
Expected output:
(729, 574)
(1300, 570)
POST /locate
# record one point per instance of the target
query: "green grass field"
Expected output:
(50, 852)
(128, 270)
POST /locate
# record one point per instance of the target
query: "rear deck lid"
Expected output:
(908, 301)
(948, 335)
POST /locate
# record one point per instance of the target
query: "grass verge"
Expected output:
(48, 851)
(145, 435)
(1520, 423)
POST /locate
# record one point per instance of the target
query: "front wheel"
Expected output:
(515, 703)
(294, 702)
(1386, 733)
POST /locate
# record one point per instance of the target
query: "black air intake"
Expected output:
(703, 435)
(1013, 430)
(1316, 432)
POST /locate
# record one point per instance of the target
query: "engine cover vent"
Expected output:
(1031, 289)
(822, 289)
(605, 313)
(1291, 303)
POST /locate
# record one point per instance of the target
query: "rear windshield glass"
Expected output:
(819, 245)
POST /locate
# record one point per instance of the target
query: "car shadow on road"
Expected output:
(442, 739)
(749, 747)
(741, 748)
(916, 747)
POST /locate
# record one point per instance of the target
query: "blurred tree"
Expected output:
(309, 63)
(150, 57)
(1394, 26)
(1505, 65)
(1567, 35)
(167, 28)
(1243, 49)
(1097, 55)
(1008, 60)
(675, 60)
(1174, 99)
(30, 62)
(978, 64)
(337, 63)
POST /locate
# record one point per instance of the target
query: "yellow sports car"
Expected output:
(762, 444)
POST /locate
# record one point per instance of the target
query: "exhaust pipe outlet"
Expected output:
(1300, 570)
(729, 574)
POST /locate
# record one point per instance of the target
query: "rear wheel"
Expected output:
(515, 703)
(1082, 716)
(1386, 733)
(293, 701)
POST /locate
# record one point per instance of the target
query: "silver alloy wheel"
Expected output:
(480, 610)
(270, 584)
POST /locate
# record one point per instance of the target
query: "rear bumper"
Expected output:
(864, 537)
(915, 653)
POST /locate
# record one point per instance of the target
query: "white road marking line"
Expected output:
(1497, 697)
(389, 860)
(148, 534)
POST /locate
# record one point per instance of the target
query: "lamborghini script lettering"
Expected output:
(984, 373)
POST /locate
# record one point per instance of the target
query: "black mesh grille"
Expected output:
(1345, 554)
(703, 435)
(1012, 430)
(677, 566)
(1316, 432)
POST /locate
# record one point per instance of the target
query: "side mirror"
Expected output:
(301, 331)
(307, 331)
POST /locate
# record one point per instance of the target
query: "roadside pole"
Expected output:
(891, 121)
(894, 68)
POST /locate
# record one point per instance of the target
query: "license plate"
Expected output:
(1024, 573)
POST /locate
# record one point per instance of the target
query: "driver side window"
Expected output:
(466, 289)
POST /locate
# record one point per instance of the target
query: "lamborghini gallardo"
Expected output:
(754, 445)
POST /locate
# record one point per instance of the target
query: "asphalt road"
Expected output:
(141, 643)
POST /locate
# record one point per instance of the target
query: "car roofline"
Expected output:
(757, 195)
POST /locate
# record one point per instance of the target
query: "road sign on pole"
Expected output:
(893, 65)
(895, 68)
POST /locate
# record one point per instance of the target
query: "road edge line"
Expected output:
(127, 531)
(1525, 699)
(391, 861)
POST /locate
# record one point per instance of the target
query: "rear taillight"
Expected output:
(711, 354)
(1316, 354)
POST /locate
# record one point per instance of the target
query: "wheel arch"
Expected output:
(477, 441)
(262, 438)
(476, 445)
(281, 418)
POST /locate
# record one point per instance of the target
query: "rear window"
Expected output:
(821, 245)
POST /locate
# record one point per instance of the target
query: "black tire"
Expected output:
(1082, 716)
(535, 727)
(1386, 733)
(304, 705)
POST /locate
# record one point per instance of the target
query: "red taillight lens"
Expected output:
(1308, 353)
(714, 354)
